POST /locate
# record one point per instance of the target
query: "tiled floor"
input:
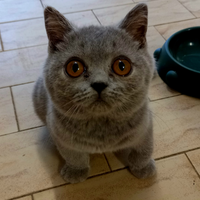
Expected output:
(29, 163)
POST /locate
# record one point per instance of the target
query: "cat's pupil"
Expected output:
(121, 65)
(75, 67)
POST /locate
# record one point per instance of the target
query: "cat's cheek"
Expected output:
(85, 88)
(81, 86)
(64, 76)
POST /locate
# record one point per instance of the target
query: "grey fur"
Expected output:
(78, 123)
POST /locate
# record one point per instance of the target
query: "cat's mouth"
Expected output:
(99, 99)
(99, 104)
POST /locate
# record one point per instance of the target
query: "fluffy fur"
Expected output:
(80, 123)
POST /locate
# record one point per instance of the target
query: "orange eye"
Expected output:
(74, 68)
(121, 67)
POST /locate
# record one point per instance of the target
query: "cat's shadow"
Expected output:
(122, 156)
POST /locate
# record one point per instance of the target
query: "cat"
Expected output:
(93, 92)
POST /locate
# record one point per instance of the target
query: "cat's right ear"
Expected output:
(135, 23)
(57, 27)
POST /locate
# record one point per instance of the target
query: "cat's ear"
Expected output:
(136, 22)
(57, 27)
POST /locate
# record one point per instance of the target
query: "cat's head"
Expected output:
(98, 70)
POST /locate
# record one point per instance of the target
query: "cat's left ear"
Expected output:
(136, 22)
(57, 27)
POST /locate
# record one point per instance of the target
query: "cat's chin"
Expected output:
(99, 107)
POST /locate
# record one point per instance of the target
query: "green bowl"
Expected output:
(178, 61)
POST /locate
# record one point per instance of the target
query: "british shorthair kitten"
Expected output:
(92, 94)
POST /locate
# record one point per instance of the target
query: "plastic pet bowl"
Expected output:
(178, 61)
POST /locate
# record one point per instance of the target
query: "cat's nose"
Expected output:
(99, 86)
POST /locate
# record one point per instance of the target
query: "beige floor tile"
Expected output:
(78, 5)
(82, 18)
(154, 40)
(193, 6)
(176, 125)
(24, 106)
(159, 89)
(174, 181)
(0, 42)
(7, 116)
(29, 162)
(167, 30)
(167, 11)
(112, 15)
(25, 198)
(23, 34)
(21, 66)
(160, 12)
(12, 10)
(194, 157)
(32, 32)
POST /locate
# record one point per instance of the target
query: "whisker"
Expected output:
(76, 108)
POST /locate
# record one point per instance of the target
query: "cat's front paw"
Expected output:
(146, 172)
(73, 175)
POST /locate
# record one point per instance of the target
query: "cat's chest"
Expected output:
(97, 127)
(98, 131)
(96, 135)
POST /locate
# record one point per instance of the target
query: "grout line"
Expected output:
(168, 23)
(192, 165)
(20, 131)
(15, 111)
(96, 17)
(175, 154)
(187, 9)
(17, 85)
(1, 42)
(116, 170)
(156, 26)
(107, 162)
(168, 156)
(159, 33)
(126, 4)
(79, 11)
(27, 129)
(165, 98)
(25, 47)
(42, 3)
(21, 20)
(61, 185)
(32, 197)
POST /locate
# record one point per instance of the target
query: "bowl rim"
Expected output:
(169, 40)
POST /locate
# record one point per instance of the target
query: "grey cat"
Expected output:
(93, 93)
